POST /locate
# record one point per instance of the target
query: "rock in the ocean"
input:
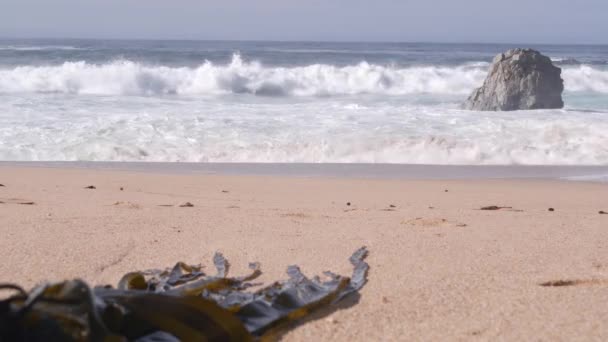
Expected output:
(519, 79)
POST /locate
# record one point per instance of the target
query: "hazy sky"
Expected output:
(533, 21)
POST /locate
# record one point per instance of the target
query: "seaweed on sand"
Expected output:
(177, 304)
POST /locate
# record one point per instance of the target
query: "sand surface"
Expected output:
(440, 268)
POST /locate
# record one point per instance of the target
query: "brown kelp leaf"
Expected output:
(133, 281)
(184, 318)
(178, 303)
(90, 187)
(60, 312)
(186, 205)
(221, 264)
(265, 311)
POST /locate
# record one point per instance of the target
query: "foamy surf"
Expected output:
(286, 102)
(321, 131)
(238, 77)
(252, 77)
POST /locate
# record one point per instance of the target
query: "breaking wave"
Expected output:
(585, 78)
(237, 77)
(572, 61)
(242, 77)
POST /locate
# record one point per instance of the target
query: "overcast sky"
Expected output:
(516, 21)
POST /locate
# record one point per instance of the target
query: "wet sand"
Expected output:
(329, 170)
(441, 269)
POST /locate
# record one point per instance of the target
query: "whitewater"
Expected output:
(287, 102)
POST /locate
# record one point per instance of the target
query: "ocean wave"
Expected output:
(238, 76)
(585, 79)
(566, 61)
(38, 48)
(251, 77)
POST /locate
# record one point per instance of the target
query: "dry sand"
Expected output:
(440, 268)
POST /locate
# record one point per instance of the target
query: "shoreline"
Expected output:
(334, 170)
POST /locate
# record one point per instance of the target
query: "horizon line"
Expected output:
(303, 41)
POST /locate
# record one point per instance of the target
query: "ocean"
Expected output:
(287, 102)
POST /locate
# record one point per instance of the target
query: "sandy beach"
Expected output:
(441, 269)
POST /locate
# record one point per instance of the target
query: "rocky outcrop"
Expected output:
(519, 79)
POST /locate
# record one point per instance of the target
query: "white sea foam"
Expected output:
(586, 79)
(349, 130)
(131, 78)
(600, 178)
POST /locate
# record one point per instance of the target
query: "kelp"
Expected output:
(181, 303)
